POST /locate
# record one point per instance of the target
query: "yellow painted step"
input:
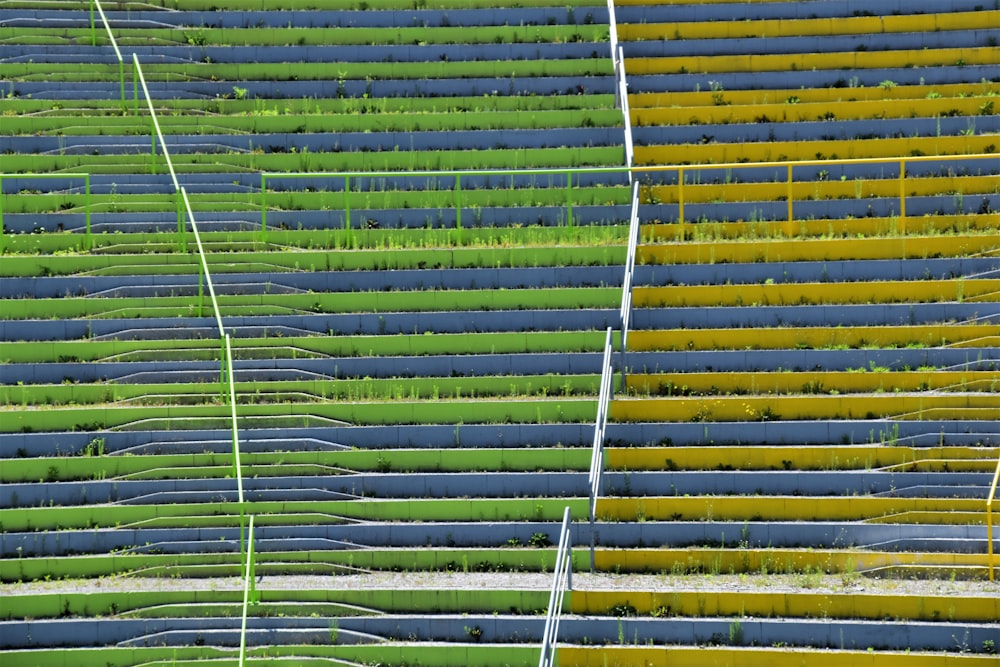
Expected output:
(812, 249)
(983, 90)
(818, 149)
(796, 408)
(949, 511)
(770, 28)
(766, 560)
(849, 60)
(778, 338)
(810, 382)
(719, 656)
(890, 187)
(831, 228)
(884, 291)
(883, 455)
(793, 110)
(804, 604)
(763, 338)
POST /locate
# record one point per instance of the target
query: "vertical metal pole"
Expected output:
(247, 584)
(569, 198)
(458, 201)
(790, 216)
(680, 199)
(152, 139)
(347, 202)
(593, 545)
(228, 354)
(121, 82)
(181, 237)
(252, 565)
(902, 194)
(86, 190)
(263, 208)
(1, 215)
(223, 374)
(989, 537)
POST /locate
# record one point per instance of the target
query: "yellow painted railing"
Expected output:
(733, 168)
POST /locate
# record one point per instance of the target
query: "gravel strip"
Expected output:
(773, 583)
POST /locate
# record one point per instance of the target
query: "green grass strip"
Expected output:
(212, 465)
(316, 562)
(79, 125)
(547, 194)
(344, 71)
(318, 5)
(333, 345)
(400, 248)
(288, 415)
(418, 36)
(401, 160)
(168, 603)
(345, 302)
(304, 391)
(442, 654)
(181, 109)
(336, 512)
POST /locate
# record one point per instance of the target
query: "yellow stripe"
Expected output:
(852, 60)
(773, 560)
(765, 338)
(886, 291)
(783, 508)
(785, 250)
(714, 656)
(817, 190)
(770, 28)
(693, 154)
(756, 408)
(811, 382)
(782, 111)
(800, 457)
(700, 603)
(766, 96)
(856, 228)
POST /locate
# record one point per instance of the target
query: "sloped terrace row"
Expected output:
(172, 531)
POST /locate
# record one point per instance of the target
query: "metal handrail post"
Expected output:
(597, 448)
(902, 194)
(86, 212)
(248, 583)
(458, 201)
(625, 314)
(791, 216)
(347, 202)
(989, 520)
(563, 569)
(263, 208)
(569, 198)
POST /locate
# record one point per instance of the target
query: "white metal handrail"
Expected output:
(613, 32)
(600, 426)
(250, 596)
(114, 43)
(562, 581)
(622, 86)
(633, 244)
